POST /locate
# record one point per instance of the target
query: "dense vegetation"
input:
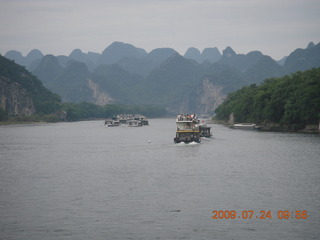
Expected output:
(3, 115)
(45, 101)
(291, 101)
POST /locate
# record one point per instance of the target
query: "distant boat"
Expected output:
(205, 131)
(246, 126)
(134, 123)
(112, 123)
(142, 119)
(126, 118)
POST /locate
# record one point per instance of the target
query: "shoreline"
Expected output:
(10, 123)
(272, 127)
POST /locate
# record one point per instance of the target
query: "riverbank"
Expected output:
(276, 127)
(9, 123)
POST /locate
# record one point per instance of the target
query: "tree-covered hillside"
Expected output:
(44, 100)
(291, 101)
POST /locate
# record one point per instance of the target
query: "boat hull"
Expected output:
(134, 123)
(205, 131)
(111, 123)
(245, 126)
(187, 137)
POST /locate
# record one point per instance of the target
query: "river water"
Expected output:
(82, 180)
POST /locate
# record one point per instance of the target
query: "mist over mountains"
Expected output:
(196, 82)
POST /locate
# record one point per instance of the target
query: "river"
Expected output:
(83, 180)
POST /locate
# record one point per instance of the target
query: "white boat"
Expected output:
(112, 123)
(247, 126)
(125, 118)
(142, 119)
(134, 123)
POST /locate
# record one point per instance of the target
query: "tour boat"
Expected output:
(205, 131)
(187, 129)
(134, 123)
(112, 123)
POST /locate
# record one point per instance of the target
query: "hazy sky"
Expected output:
(275, 27)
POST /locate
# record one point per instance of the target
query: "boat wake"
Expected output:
(187, 144)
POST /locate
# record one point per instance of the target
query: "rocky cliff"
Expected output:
(21, 93)
(14, 99)
(204, 99)
(211, 96)
(99, 97)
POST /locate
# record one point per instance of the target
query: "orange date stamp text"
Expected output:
(262, 214)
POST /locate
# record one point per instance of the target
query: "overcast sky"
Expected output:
(275, 27)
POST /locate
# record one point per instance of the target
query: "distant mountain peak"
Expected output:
(193, 49)
(228, 52)
(208, 54)
(214, 49)
(13, 54)
(76, 51)
(117, 43)
(211, 54)
(255, 53)
(310, 45)
(303, 59)
(122, 48)
(162, 50)
(193, 53)
(35, 54)
(77, 54)
(47, 69)
(119, 50)
(161, 54)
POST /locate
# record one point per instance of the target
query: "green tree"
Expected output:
(3, 115)
(292, 101)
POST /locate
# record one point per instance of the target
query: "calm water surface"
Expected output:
(85, 181)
